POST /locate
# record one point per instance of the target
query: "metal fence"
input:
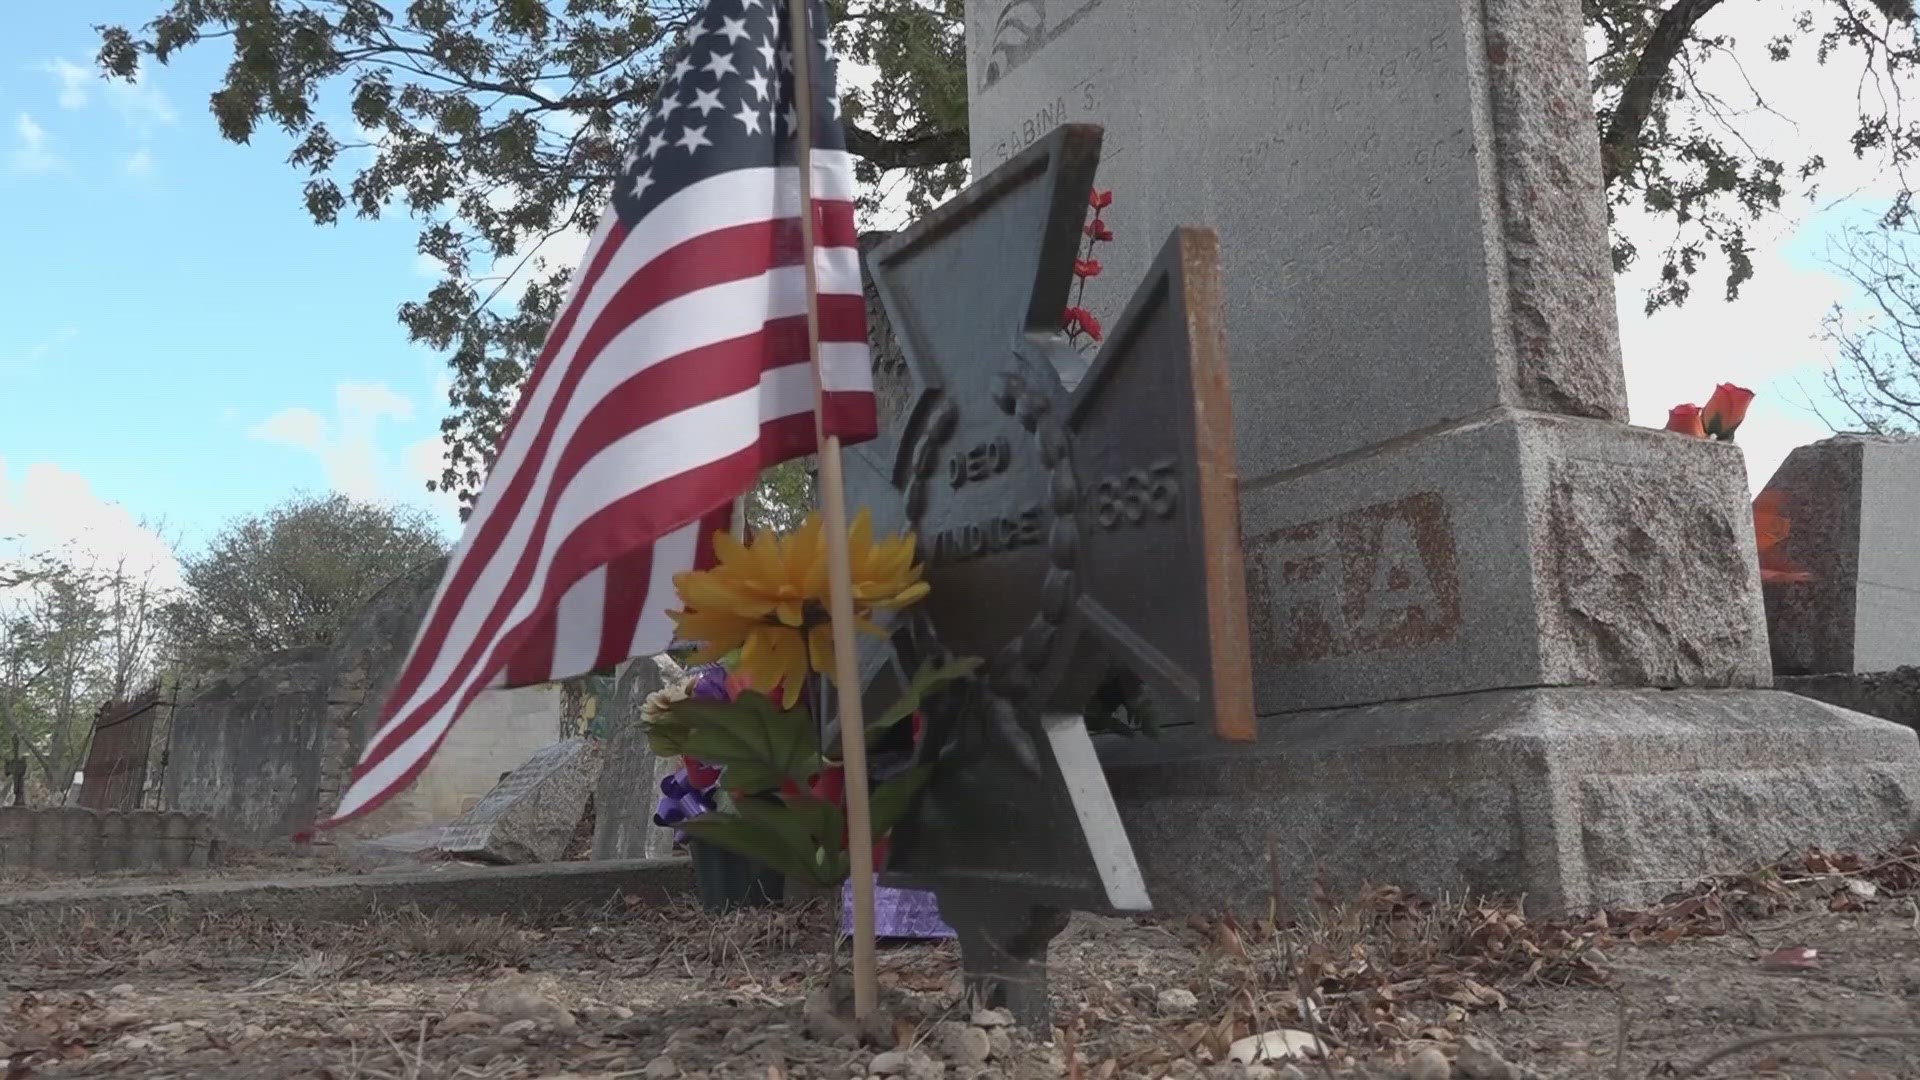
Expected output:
(116, 770)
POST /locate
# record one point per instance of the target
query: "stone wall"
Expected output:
(1890, 695)
(268, 750)
(72, 839)
(248, 749)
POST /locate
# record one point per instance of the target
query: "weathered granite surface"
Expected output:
(630, 774)
(531, 816)
(1519, 549)
(1408, 196)
(1852, 505)
(1572, 797)
(1890, 695)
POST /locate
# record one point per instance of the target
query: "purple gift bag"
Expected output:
(897, 913)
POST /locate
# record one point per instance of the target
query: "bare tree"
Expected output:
(1876, 370)
(74, 634)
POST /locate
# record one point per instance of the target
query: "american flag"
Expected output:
(677, 370)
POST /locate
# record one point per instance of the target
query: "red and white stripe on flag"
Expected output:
(678, 369)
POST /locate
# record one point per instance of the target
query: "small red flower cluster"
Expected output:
(1077, 320)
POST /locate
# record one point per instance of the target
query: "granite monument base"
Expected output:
(1511, 548)
(1571, 798)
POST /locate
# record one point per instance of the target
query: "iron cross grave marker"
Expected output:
(1072, 519)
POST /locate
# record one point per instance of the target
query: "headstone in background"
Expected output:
(1466, 574)
(532, 814)
(1851, 505)
(629, 785)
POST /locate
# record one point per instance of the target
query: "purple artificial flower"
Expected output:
(709, 683)
(680, 800)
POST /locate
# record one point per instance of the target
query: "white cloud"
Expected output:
(138, 101)
(139, 163)
(30, 154)
(351, 447)
(427, 460)
(75, 81)
(300, 428)
(46, 508)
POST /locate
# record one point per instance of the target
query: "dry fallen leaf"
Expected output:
(1791, 958)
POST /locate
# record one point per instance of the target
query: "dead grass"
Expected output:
(493, 939)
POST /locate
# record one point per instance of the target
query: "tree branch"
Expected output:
(938, 148)
(1620, 146)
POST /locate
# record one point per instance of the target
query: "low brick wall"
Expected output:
(73, 839)
(1890, 695)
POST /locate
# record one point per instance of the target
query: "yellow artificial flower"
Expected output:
(768, 599)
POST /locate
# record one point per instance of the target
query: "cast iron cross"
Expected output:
(1071, 517)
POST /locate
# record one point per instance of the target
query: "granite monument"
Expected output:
(1501, 639)
(1850, 506)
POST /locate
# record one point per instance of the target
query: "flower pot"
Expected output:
(726, 880)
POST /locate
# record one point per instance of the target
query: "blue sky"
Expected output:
(180, 336)
(182, 344)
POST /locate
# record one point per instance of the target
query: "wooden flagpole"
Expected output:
(833, 512)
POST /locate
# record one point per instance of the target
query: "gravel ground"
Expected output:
(1391, 985)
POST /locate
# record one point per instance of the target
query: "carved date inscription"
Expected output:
(1382, 577)
(1137, 496)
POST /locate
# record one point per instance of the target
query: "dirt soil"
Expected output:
(1818, 947)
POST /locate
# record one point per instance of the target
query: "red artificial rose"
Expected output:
(830, 786)
(1685, 419)
(1098, 230)
(1100, 200)
(699, 773)
(1725, 410)
(1086, 268)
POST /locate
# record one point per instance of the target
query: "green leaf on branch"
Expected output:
(758, 743)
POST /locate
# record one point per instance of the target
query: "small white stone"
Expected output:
(1177, 1002)
(1429, 1064)
(520, 1027)
(662, 1068)
(122, 990)
(466, 1023)
(992, 1018)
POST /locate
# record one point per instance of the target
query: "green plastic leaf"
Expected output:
(755, 741)
(667, 733)
(890, 801)
(809, 827)
(755, 841)
(924, 682)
